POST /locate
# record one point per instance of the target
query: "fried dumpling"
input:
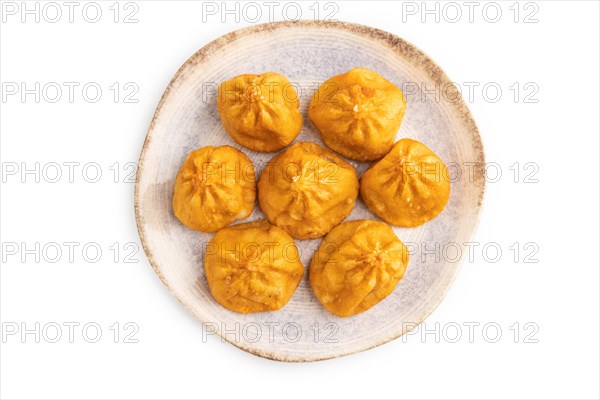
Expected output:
(260, 112)
(307, 190)
(252, 267)
(358, 114)
(215, 186)
(357, 265)
(408, 187)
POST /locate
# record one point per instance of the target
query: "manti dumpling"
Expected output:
(358, 114)
(408, 187)
(252, 267)
(215, 186)
(307, 190)
(260, 112)
(357, 265)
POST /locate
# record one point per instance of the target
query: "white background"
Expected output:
(559, 214)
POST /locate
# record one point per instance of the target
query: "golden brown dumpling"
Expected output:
(252, 267)
(260, 112)
(214, 187)
(357, 265)
(408, 187)
(307, 190)
(358, 114)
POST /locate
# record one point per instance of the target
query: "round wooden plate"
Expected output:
(309, 52)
